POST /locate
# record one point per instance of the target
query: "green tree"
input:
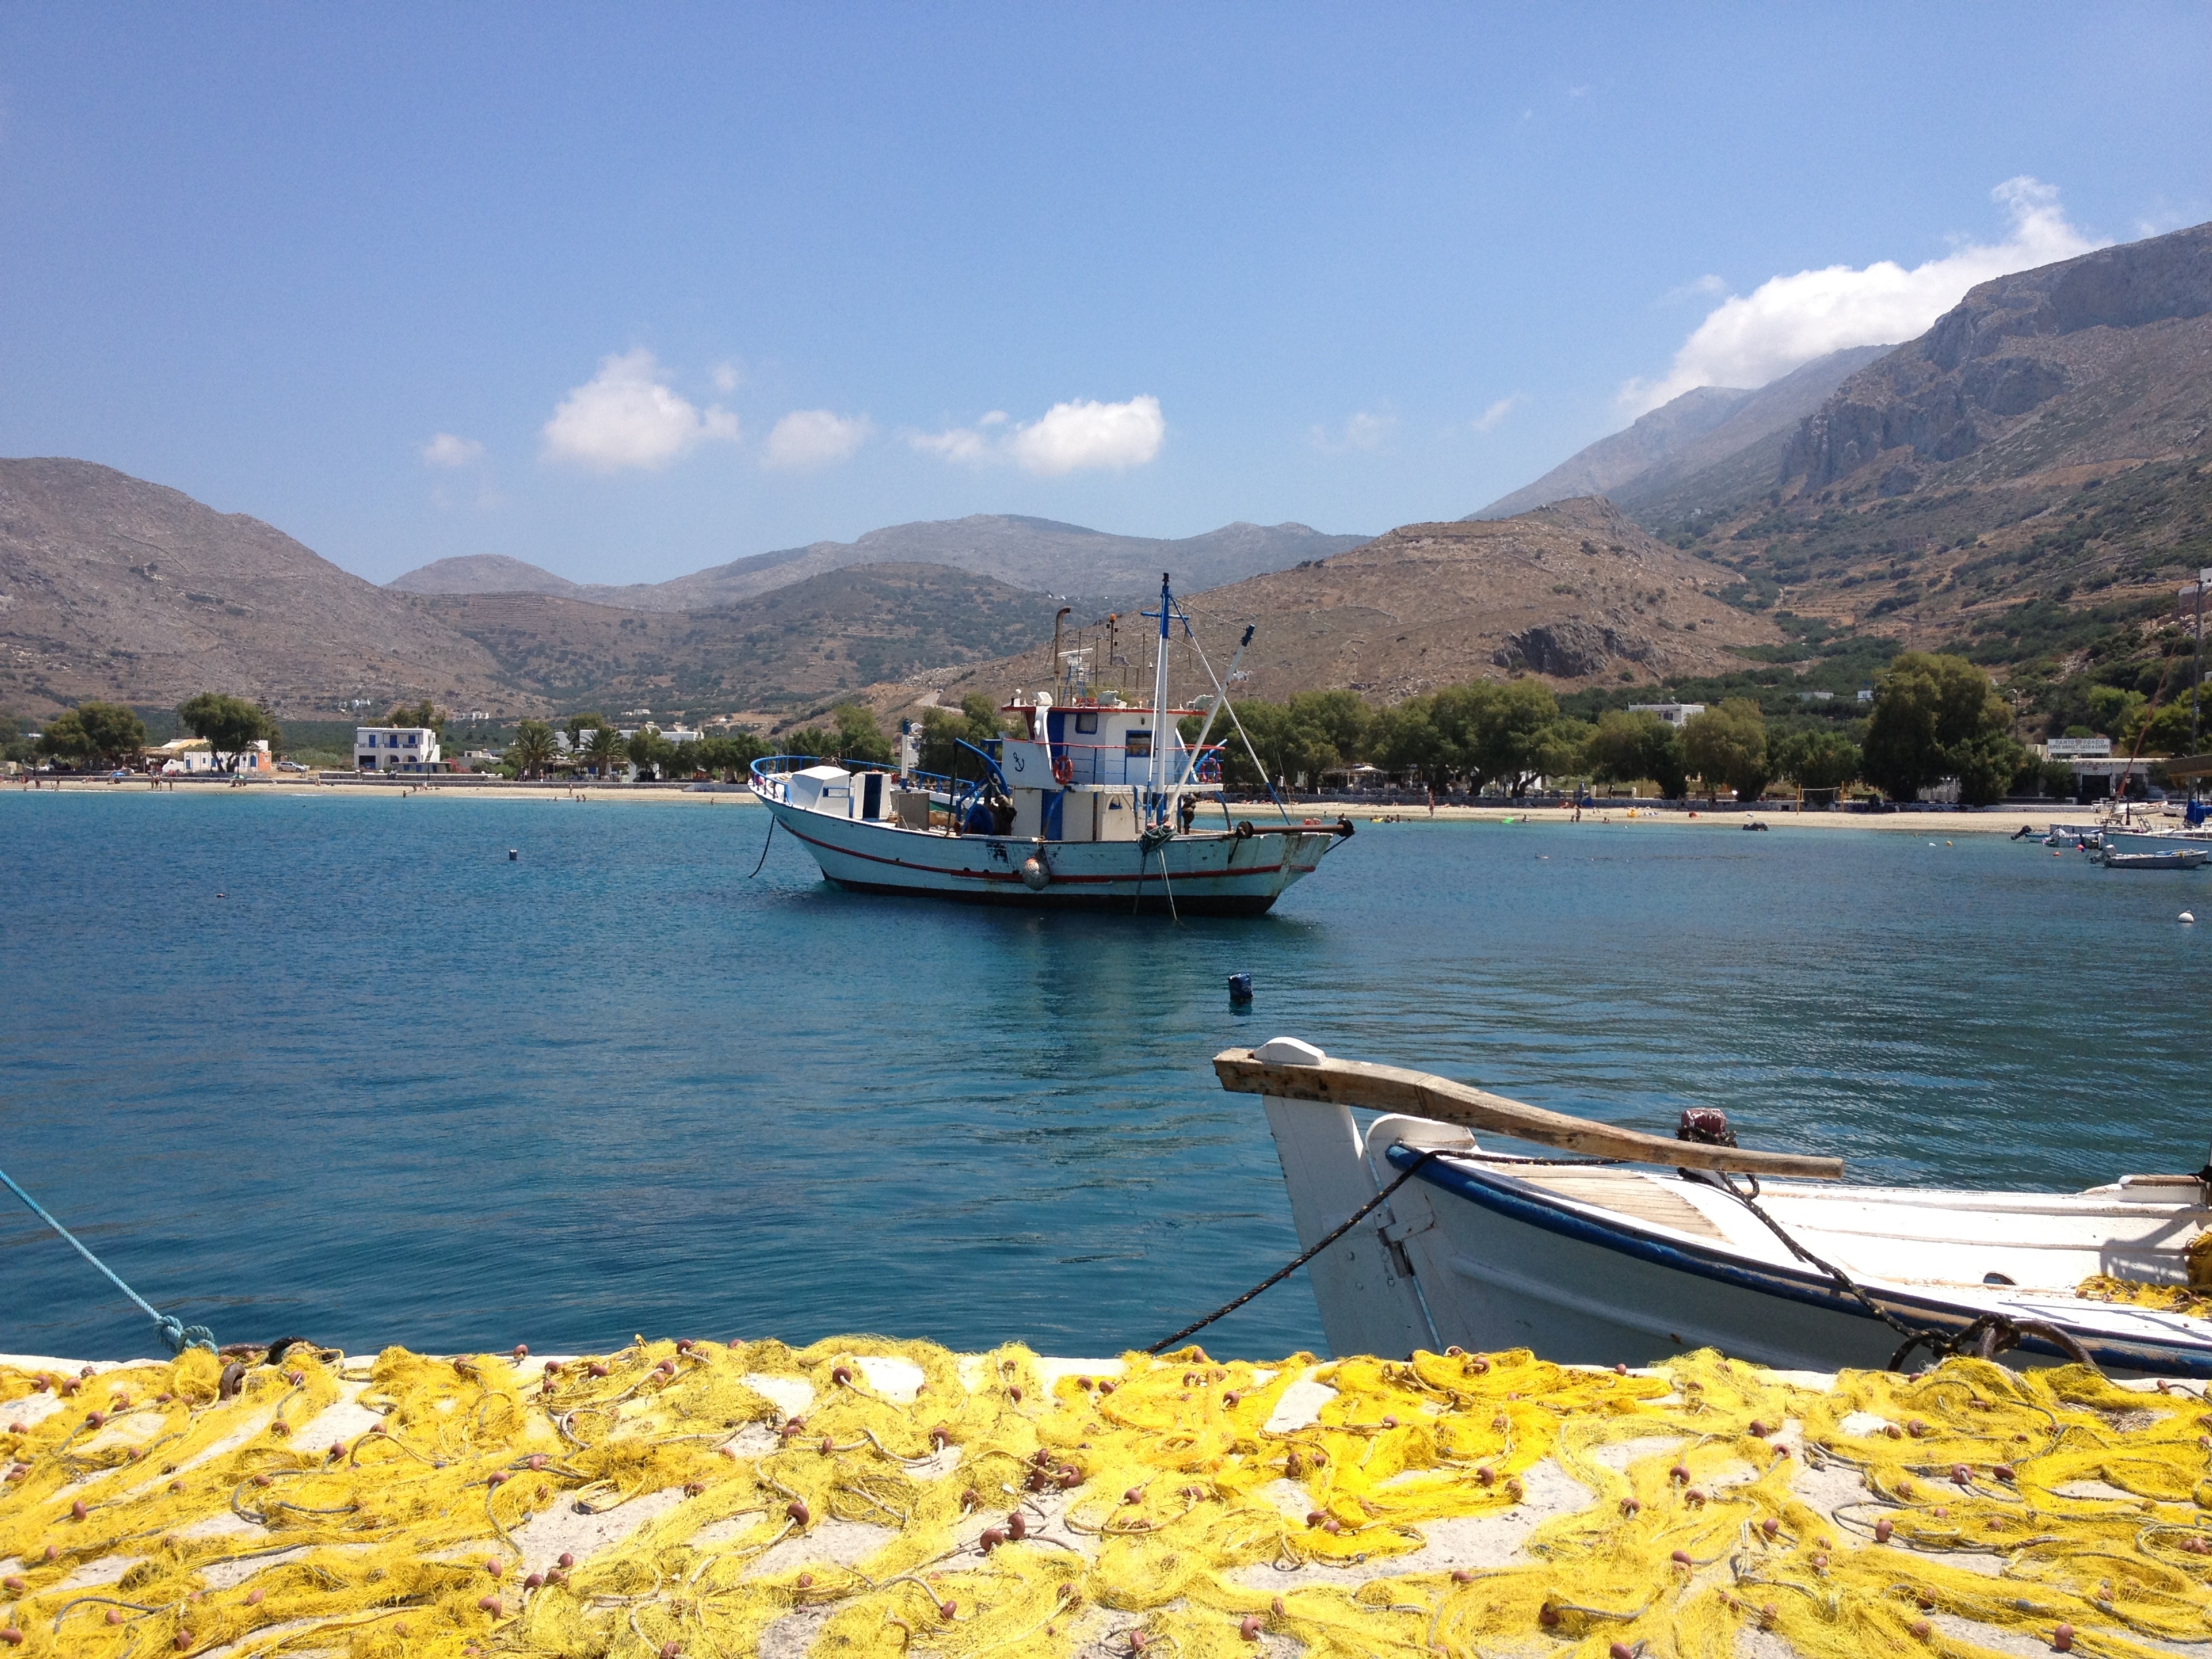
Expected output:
(651, 752)
(1728, 746)
(94, 734)
(2167, 731)
(604, 749)
(1625, 748)
(13, 745)
(1407, 744)
(230, 724)
(943, 730)
(860, 735)
(1562, 749)
(1494, 733)
(1937, 717)
(424, 713)
(581, 728)
(532, 749)
(1814, 759)
(730, 755)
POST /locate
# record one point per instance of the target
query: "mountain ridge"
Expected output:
(1575, 593)
(1041, 555)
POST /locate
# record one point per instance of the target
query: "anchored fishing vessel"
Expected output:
(1093, 802)
(1591, 1259)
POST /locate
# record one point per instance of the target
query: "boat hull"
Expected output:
(1205, 875)
(1602, 1264)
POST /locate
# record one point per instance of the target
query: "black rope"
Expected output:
(1300, 1260)
(772, 821)
(1986, 1337)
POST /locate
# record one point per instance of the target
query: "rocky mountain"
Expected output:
(483, 572)
(2037, 467)
(1706, 427)
(111, 587)
(1038, 554)
(800, 645)
(1575, 592)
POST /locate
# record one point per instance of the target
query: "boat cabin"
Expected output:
(1081, 771)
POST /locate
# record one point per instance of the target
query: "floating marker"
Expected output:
(511, 855)
(1240, 987)
(2186, 916)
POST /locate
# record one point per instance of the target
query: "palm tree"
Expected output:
(605, 745)
(533, 749)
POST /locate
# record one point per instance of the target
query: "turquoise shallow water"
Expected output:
(392, 1087)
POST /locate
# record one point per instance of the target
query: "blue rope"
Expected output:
(178, 1334)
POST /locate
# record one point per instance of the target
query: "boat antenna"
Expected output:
(1059, 617)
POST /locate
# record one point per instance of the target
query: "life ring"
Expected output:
(1063, 770)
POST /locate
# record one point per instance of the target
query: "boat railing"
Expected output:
(1418, 1094)
(960, 795)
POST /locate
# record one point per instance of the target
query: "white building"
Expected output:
(395, 748)
(1675, 713)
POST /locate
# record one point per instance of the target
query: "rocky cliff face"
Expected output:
(2135, 316)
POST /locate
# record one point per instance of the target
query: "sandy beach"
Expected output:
(1780, 815)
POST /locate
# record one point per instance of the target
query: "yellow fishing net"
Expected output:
(1455, 1503)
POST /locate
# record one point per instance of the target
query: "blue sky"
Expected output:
(630, 291)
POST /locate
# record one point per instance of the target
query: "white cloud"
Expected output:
(447, 450)
(1076, 436)
(808, 438)
(960, 444)
(1750, 339)
(726, 376)
(628, 416)
(1364, 432)
(1494, 416)
(1069, 437)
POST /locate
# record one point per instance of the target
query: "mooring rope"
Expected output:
(178, 1334)
(1299, 1261)
(772, 821)
(1985, 1338)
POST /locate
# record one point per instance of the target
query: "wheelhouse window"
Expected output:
(1141, 745)
(1087, 723)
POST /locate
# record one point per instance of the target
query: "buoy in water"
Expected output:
(2186, 916)
(511, 855)
(1240, 987)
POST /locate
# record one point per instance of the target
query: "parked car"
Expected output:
(289, 766)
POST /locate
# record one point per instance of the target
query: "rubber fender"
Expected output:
(1036, 874)
(1243, 829)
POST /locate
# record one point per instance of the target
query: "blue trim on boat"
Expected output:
(1517, 1202)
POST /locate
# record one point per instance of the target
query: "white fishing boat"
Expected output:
(1093, 802)
(1639, 1246)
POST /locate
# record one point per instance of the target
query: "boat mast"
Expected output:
(1160, 705)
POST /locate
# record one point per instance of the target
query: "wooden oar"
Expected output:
(1392, 1088)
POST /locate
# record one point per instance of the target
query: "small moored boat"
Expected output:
(1592, 1258)
(2150, 852)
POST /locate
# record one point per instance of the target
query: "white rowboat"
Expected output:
(1606, 1262)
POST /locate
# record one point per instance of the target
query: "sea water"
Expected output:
(337, 1066)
